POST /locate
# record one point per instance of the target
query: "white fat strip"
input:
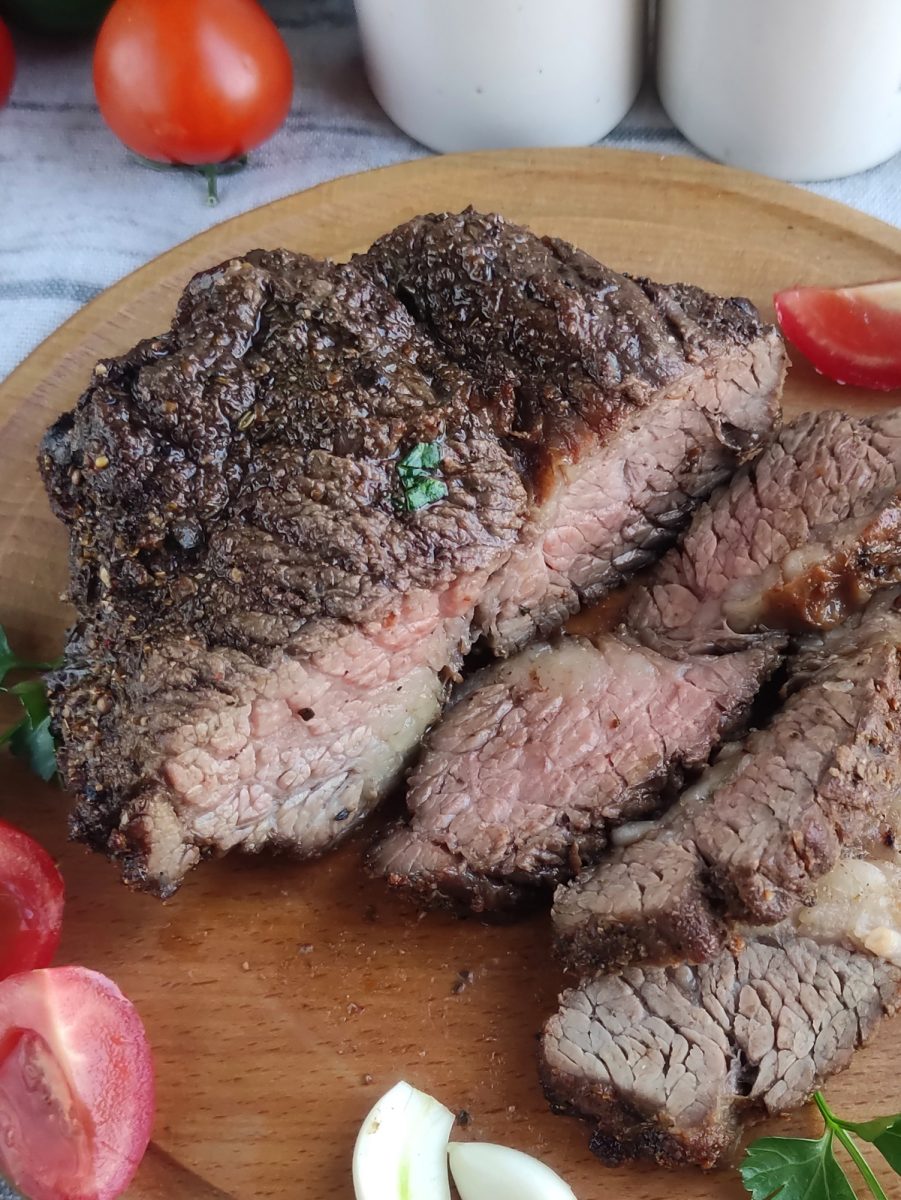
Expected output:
(859, 902)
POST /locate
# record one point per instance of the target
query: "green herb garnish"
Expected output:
(807, 1169)
(29, 737)
(418, 486)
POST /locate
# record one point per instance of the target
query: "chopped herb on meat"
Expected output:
(418, 486)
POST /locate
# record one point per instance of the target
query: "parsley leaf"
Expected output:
(7, 658)
(801, 1169)
(424, 491)
(425, 456)
(418, 486)
(795, 1169)
(29, 738)
(885, 1134)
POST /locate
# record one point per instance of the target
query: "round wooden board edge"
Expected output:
(166, 1174)
(670, 169)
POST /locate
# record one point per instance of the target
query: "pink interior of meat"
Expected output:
(308, 741)
(566, 731)
(612, 505)
(823, 471)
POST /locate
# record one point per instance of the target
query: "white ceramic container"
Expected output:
(799, 89)
(487, 74)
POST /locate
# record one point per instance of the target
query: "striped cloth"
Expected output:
(77, 214)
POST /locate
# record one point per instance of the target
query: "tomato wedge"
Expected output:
(76, 1085)
(31, 903)
(851, 334)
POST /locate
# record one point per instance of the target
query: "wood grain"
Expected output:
(282, 999)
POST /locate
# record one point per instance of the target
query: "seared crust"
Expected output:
(239, 540)
(266, 627)
(623, 402)
(245, 462)
(565, 347)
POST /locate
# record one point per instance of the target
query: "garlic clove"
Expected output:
(401, 1149)
(483, 1171)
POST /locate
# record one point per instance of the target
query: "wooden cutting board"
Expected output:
(282, 999)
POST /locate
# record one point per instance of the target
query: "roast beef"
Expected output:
(824, 493)
(264, 625)
(272, 588)
(622, 401)
(820, 584)
(749, 842)
(823, 777)
(668, 1062)
(522, 781)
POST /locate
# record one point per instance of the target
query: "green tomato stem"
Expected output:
(212, 184)
(210, 172)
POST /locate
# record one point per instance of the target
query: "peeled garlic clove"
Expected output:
(483, 1171)
(401, 1149)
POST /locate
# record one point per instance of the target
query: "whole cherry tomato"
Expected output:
(76, 1085)
(31, 903)
(192, 82)
(7, 64)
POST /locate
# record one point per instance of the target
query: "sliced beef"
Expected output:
(521, 781)
(750, 841)
(819, 585)
(502, 759)
(273, 588)
(825, 775)
(825, 491)
(649, 898)
(623, 401)
(668, 1063)
(265, 623)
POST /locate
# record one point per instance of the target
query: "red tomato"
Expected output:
(191, 81)
(76, 1085)
(7, 64)
(852, 335)
(31, 903)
